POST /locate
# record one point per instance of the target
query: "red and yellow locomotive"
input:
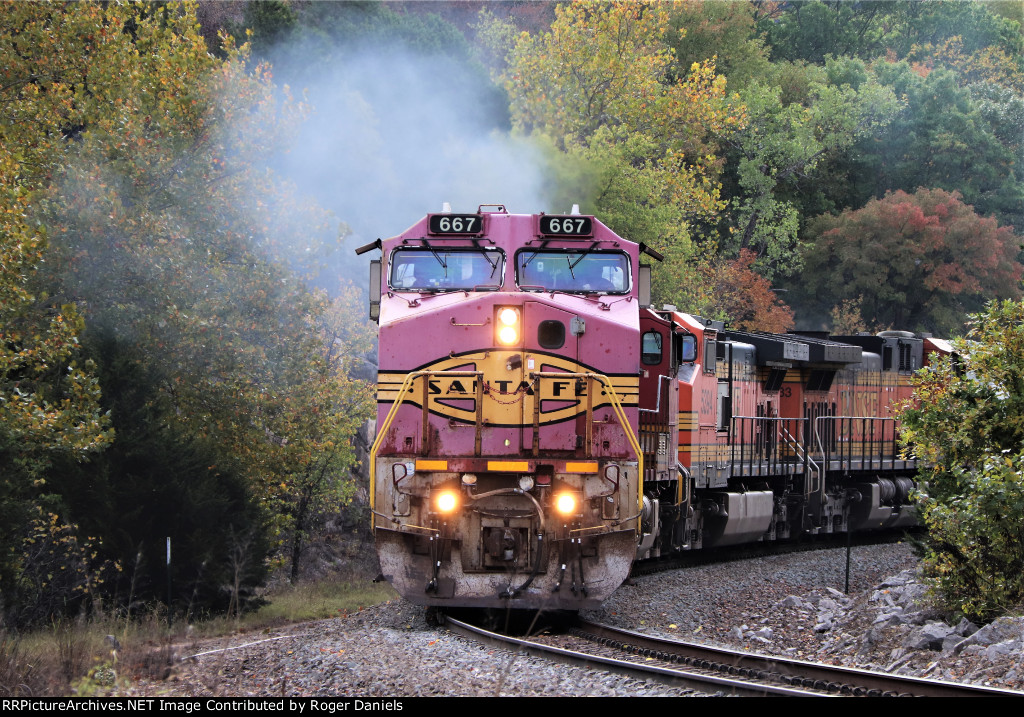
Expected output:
(540, 426)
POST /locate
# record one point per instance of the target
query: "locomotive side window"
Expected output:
(710, 355)
(573, 271)
(445, 269)
(686, 347)
(650, 348)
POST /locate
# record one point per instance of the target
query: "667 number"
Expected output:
(566, 226)
(457, 224)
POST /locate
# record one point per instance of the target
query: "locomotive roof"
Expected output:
(798, 348)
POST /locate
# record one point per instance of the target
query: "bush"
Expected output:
(976, 552)
(966, 425)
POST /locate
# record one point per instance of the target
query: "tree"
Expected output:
(165, 221)
(270, 22)
(989, 64)
(747, 298)
(720, 31)
(796, 121)
(159, 480)
(916, 29)
(151, 157)
(316, 427)
(610, 66)
(811, 30)
(942, 138)
(966, 427)
(47, 402)
(631, 137)
(916, 262)
(49, 396)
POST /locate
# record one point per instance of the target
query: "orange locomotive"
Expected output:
(752, 436)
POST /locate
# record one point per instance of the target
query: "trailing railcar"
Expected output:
(778, 434)
(540, 426)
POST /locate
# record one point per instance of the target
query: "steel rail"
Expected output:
(706, 683)
(848, 680)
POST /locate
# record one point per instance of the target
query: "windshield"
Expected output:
(602, 272)
(444, 269)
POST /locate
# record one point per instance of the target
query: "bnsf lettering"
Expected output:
(865, 404)
(707, 401)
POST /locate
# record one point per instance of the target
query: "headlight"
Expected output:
(447, 501)
(565, 503)
(508, 325)
(508, 316)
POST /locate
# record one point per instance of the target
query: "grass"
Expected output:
(300, 603)
(78, 657)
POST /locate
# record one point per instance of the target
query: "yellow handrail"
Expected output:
(620, 414)
(411, 377)
(383, 428)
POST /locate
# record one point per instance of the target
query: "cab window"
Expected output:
(573, 271)
(650, 348)
(444, 269)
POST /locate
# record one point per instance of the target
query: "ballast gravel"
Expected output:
(384, 651)
(792, 605)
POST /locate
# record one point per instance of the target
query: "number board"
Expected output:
(456, 224)
(566, 226)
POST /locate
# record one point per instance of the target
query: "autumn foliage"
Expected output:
(916, 261)
(143, 159)
(747, 298)
(966, 425)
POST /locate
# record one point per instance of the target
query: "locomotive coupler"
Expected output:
(511, 592)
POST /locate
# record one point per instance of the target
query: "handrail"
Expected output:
(383, 428)
(619, 413)
(783, 435)
(883, 420)
(823, 445)
(412, 376)
(815, 472)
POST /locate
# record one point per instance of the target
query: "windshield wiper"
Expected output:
(494, 264)
(582, 254)
(436, 256)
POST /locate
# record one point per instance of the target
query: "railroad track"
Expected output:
(715, 670)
